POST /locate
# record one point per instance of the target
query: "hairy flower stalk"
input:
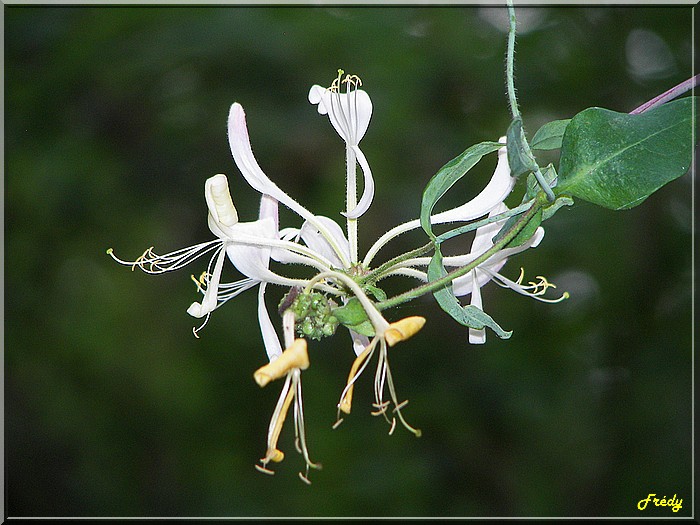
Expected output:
(338, 288)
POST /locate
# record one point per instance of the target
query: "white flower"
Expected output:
(349, 113)
(494, 193)
(248, 245)
(472, 282)
(254, 175)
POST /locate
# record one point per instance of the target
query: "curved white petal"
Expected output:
(210, 299)
(483, 236)
(249, 167)
(498, 188)
(368, 192)
(496, 262)
(349, 113)
(253, 174)
(315, 240)
(269, 335)
(464, 285)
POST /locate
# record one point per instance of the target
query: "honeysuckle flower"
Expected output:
(288, 365)
(349, 113)
(494, 193)
(248, 246)
(387, 335)
(254, 175)
(316, 306)
(472, 282)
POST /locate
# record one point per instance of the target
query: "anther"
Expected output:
(265, 470)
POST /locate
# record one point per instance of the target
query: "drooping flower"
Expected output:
(288, 365)
(387, 335)
(472, 282)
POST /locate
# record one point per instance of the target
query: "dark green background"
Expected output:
(115, 117)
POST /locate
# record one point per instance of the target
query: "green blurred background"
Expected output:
(114, 118)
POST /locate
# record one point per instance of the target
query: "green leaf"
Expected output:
(470, 315)
(447, 176)
(353, 316)
(518, 159)
(617, 160)
(550, 135)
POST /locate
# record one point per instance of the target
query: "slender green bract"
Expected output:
(469, 315)
(445, 178)
(519, 160)
(617, 160)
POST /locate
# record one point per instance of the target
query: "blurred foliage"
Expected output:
(114, 118)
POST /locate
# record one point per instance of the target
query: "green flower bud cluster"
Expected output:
(313, 313)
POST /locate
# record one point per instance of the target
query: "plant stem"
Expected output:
(377, 273)
(515, 112)
(513, 100)
(672, 93)
(432, 286)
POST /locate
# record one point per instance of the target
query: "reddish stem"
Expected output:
(668, 95)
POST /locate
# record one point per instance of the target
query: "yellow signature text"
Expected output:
(674, 503)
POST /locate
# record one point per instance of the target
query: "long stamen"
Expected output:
(152, 263)
(345, 403)
(533, 289)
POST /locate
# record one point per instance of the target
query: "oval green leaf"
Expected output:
(617, 160)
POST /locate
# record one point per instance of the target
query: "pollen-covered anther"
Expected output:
(540, 287)
(353, 80)
(296, 356)
(403, 329)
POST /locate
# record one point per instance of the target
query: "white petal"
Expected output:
(477, 337)
(211, 294)
(498, 188)
(253, 174)
(359, 342)
(463, 285)
(269, 208)
(269, 335)
(252, 261)
(349, 113)
(368, 192)
(317, 242)
(483, 237)
(497, 261)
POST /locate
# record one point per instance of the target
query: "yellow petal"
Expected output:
(296, 356)
(403, 329)
(346, 403)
